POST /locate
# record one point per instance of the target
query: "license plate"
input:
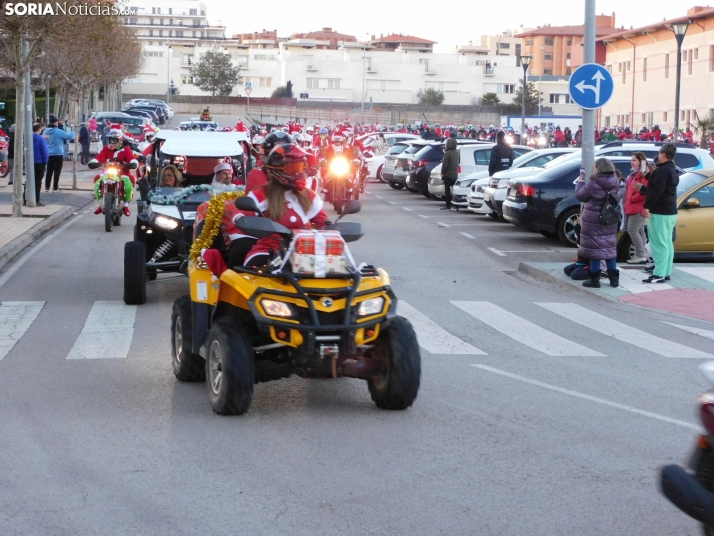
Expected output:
(512, 192)
(486, 197)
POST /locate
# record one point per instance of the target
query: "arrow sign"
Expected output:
(584, 92)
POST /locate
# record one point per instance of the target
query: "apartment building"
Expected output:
(643, 62)
(504, 44)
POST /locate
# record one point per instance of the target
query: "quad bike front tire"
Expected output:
(188, 367)
(134, 273)
(396, 387)
(230, 367)
(108, 202)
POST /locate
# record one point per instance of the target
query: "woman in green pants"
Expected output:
(661, 200)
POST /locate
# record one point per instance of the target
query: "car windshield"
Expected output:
(522, 160)
(562, 160)
(396, 149)
(414, 149)
(689, 180)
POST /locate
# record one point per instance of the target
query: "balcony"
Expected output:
(488, 70)
(429, 70)
(311, 68)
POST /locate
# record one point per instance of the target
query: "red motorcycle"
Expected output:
(4, 164)
(692, 489)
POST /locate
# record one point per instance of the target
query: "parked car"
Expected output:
(160, 114)
(375, 163)
(195, 122)
(546, 202)
(390, 159)
(154, 102)
(116, 117)
(695, 220)
(150, 116)
(529, 164)
(473, 158)
(401, 163)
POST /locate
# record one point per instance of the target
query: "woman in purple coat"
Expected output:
(598, 241)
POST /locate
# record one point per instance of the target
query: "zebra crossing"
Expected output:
(108, 331)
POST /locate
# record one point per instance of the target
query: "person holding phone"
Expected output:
(635, 210)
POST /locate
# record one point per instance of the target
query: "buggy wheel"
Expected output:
(134, 273)
(396, 387)
(188, 367)
(108, 207)
(230, 370)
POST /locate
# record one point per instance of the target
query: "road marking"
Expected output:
(697, 331)
(613, 328)
(391, 202)
(703, 273)
(534, 250)
(15, 319)
(467, 235)
(422, 216)
(407, 209)
(523, 331)
(499, 253)
(32, 250)
(631, 281)
(107, 332)
(379, 197)
(432, 337)
(442, 224)
(590, 398)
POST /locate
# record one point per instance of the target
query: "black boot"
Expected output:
(614, 277)
(594, 281)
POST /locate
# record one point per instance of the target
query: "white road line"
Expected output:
(499, 253)
(391, 202)
(703, 273)
(523, 331)
(590, 398)
(697, 331)
(442, 224)
(613, 328)
(407, 209)
(379, 197)
(32, 250)
(432, 337)
(534, 250)
(422, 216)
(15, 319)
(107, 332)
(631, 281)
(467, 235)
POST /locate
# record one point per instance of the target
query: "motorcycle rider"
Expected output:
(116, 150)
(656, 133)
(285, 199)
(559, 137)
(501, 155)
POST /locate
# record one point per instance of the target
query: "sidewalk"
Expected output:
(689, 293)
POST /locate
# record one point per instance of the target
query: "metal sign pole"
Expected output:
(588, 140)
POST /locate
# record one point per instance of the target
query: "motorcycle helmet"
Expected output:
(656, 127)
(323, 132)
(276, 138)
(338, 143)
(115, 139)
(286, 164)
(149, 136)
(400, 126)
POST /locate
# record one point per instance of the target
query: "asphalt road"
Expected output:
(535, 416)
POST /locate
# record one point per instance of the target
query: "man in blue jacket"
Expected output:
(39, 145)
(55, 143)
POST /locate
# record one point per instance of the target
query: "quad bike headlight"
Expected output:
(166, 223)
(370, 307)
(276, 308)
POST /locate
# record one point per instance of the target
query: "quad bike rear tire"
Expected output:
(230, 367)
(134, 273)
(108, 202)
(397, 386)
(188, 367)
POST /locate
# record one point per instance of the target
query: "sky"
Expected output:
(449, 23)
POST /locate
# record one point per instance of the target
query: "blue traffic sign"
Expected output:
(591, 86)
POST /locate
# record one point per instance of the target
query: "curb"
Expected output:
(14, 248)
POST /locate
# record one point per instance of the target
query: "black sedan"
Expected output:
(546, 202)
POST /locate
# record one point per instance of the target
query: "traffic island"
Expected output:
(690, 292)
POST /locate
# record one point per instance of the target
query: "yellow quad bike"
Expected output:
(311, 312)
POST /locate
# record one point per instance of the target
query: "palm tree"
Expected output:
(705, 128)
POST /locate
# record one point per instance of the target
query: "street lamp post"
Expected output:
(679, 29)
(168, 67)
(364, 71)
(525, 62)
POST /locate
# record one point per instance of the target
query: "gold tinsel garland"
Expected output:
(212, 223)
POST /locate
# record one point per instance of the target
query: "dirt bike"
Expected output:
(311, 312)
(4, 165)
(112, 186)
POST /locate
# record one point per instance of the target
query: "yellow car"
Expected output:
(695, 220)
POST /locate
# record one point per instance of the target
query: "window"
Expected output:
(624, 76)
(664, 117)
(504, 45)
(547, 71)
(263, 57)
(650, 119)
(705, 194)
(666, 65)
(548, 56)
(529, 42)
(569, 42)
(153, 54)
(171, 11)
(549, 41)
(133, 20)
(179, 33)
(161, 22)
(607, 120)
(506, 88)
(644, 69)
(446, 87)
(193, 12)
(689, 62)
(161, 33)
(323, 83)
(151, 33)
(629, 66)
(186, 79)
(482, 157)
(383, 85)
(242, 59)
(151, 21)
(193, 34)
(560, 98)
(567, 56)
(158, 11)
(151, 43)
(153, 10)
(696, 53)
(179, 22)
(187, 60)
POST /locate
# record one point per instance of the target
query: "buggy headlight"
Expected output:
(276, 308)
(370, 307)
(166, 223)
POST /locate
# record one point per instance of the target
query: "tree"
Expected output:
(214, 72)
(489, 99)
(285, 91)
(533, 98)
(431, 97)
(705, 128)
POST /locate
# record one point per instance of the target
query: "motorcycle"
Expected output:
(112, 186)
(692, 489)
(338, 179)
(362, 174)
(4, 165)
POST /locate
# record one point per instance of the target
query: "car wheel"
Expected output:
(379, 174)
(494, 215)
(396, 185)
(566, 227)
(396, 387)
(188, 366)
(412, 190)
(134, 273)
(426, 193)
(230, 370)
(548, 234)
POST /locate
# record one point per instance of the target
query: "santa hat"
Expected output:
(223, 166)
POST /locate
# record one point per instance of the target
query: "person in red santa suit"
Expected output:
(285, 199)
(240, 127)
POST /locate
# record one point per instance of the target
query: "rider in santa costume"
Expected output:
(116, 150)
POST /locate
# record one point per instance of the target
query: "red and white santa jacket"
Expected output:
(124, 155)
(294, 218)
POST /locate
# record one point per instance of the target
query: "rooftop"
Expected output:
(399, 38)
(566, 31)
(694, 13)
